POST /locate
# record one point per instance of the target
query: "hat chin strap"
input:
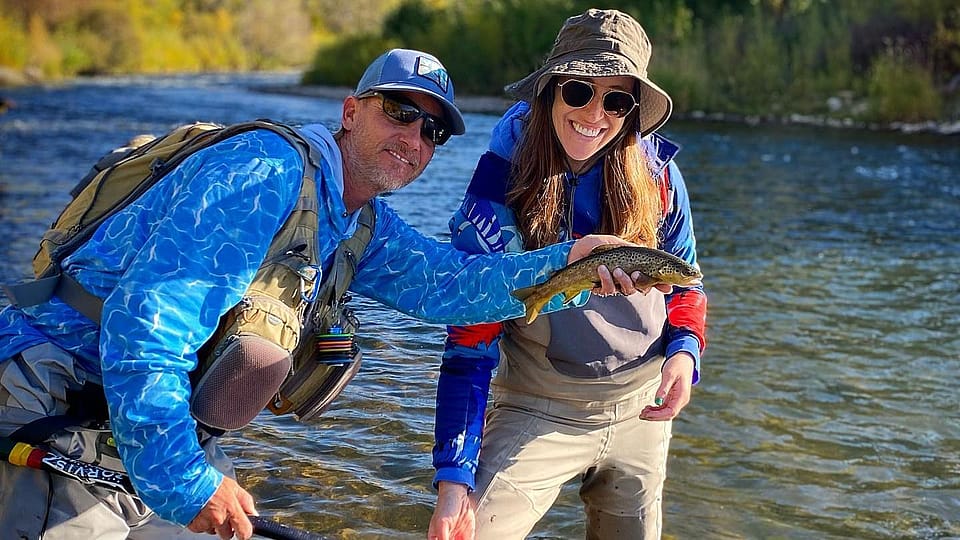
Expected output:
(585, 166)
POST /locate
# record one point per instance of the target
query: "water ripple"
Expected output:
(827, 409)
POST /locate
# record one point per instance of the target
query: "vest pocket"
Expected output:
(251, 358)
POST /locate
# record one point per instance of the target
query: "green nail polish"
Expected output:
(658, 401)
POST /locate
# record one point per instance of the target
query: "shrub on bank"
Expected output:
(741, 58)
(733, 57)
(900, 90)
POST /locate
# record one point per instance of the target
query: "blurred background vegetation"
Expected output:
(870, 60)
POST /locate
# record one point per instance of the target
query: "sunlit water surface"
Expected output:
(828, 406)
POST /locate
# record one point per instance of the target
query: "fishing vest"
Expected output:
(288, 345)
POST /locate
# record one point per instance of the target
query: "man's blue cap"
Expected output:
(412, 71)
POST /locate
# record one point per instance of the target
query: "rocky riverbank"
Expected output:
(471, 104)
(840, 107)
(497, 105)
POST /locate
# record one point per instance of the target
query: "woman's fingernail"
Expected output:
(658, 401)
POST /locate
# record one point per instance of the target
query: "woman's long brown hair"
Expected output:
(631, 198)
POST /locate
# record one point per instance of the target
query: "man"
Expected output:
(170, 264)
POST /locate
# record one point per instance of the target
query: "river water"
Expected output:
(828, 406)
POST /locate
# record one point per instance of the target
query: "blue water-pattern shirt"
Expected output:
(169, 265)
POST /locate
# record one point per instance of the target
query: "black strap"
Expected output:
(32, 293)
(87, 406)
(73, 294)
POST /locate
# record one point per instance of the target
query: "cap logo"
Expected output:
(432, 70)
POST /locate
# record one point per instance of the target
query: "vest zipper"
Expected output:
(573, 180)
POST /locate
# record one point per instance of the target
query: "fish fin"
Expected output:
(523, 293)
(531, 301)
(646, 281)
(534, 306)
(604, 247)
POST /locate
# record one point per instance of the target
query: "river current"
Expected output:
(828, 406)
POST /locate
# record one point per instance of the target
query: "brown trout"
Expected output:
(655, 266)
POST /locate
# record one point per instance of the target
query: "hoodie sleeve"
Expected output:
(482, 224)
(686, 307)
(433, 281)
(199, 237)
(471, 353)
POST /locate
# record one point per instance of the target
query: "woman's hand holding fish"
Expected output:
(593, 256)
(610, 283)
(618, 282)
(614, 282)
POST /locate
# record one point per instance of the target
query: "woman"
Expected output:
(588, 393)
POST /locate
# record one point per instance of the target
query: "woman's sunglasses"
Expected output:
(401, 110)
(576, 93)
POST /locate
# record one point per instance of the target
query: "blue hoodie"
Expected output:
(175, 260)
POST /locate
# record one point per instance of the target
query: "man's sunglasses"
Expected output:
(433, 128)
(576, 93)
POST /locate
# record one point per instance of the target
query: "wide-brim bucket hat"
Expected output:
(602, 43)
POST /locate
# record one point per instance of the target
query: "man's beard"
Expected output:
(380, 180)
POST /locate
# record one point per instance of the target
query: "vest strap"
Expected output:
(63, 286)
